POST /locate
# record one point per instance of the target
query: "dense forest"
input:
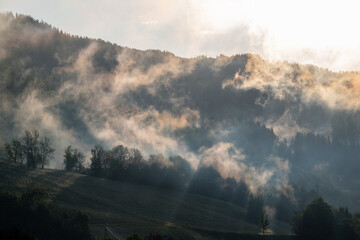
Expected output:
(263, 135)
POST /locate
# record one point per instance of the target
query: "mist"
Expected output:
(250, 119)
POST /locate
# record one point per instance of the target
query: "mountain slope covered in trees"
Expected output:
(272, 126)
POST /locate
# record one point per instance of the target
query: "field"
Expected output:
(127, 208)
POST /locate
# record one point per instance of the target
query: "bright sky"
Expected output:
(319, 32)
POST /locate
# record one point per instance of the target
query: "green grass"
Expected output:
(128, 208)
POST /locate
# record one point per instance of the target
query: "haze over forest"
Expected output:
(254, 121)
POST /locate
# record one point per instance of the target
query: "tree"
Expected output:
(31, 148)
(120, 157)
(45, 151)
(118, 161)
(35, 150)
(315, 222)
(18, 150)
(14, 150)
(79, 159)
(97, 159)
(73, 159)
(136, 158)
(356, 217)
(9, 151)
(264, 223)
(345, 224)
(68, 158)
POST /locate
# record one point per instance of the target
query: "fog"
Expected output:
(246, 117)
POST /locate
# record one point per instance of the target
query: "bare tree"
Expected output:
(264, 223)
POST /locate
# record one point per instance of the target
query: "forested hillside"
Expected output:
(236, 127)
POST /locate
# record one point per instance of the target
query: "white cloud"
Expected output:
(150, 22)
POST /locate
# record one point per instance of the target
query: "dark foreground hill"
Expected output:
(128, 208)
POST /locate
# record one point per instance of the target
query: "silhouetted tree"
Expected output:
(344, 224)
(73, 159)
(14, 150)
(264, 223)
(31, 148)
(356, 217)
(97, 159)
(35, 151)
(9, 152)
(18, 150)
(136, 158)
(45, 151)
(68, 158)
(118, 161)
(316, 222)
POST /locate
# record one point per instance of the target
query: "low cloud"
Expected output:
(230, 113)
(231, 162)
(34, 112)
(303, 87)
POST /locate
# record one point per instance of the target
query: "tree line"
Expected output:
(32, 149)
(175, 173)
(128, 164)
(320, 221)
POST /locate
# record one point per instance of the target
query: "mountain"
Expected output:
(275, 126)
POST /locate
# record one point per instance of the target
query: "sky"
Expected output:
(324, 33)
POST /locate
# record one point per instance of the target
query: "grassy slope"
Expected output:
(128, 208)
